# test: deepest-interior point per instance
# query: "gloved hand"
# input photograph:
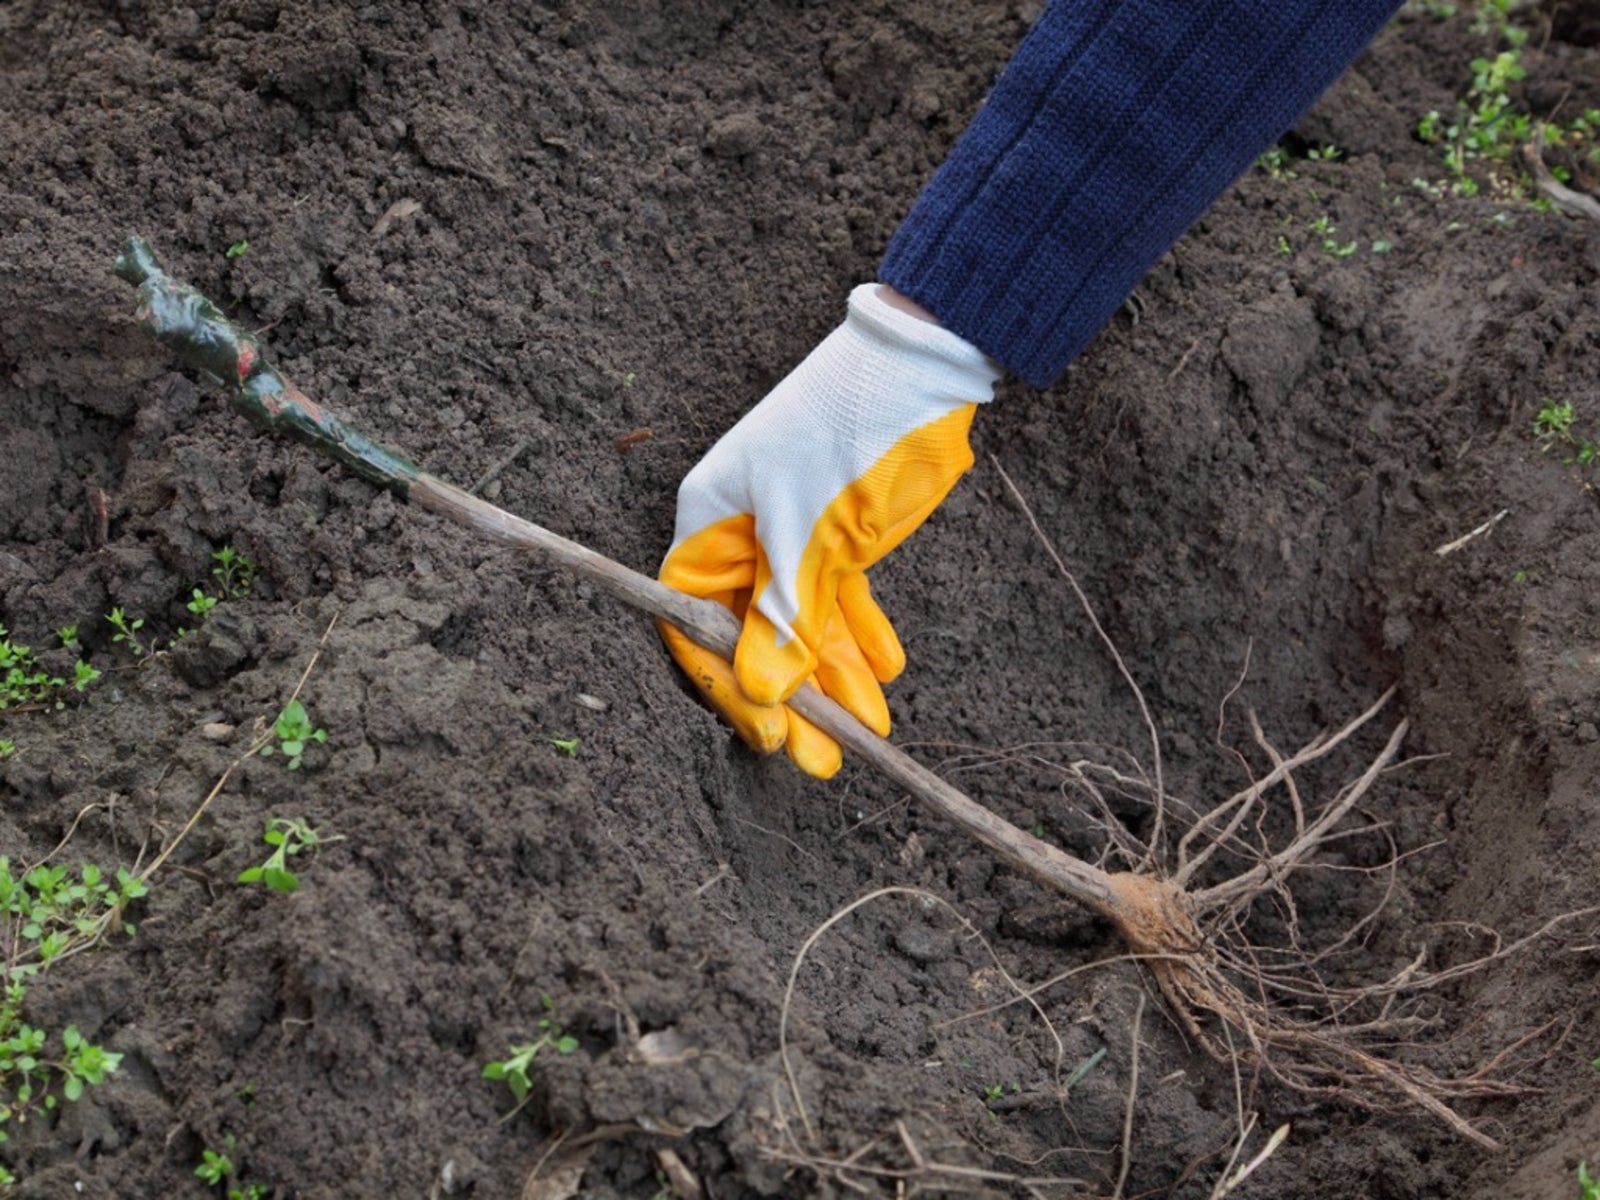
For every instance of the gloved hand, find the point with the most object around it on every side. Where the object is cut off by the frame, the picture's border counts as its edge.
(781, 519)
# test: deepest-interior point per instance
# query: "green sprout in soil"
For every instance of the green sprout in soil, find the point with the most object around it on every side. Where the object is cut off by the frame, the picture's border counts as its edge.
(1494, 16)
(239, 249)
(514, 1068)
(293, 731)
(33, 1081)
(25, 683)
(1579, 137)
(46, 914)
(234, 573)
(1324, 228)
(7, 749)
(1589, 1186)
(1555, 428)
(996, 1091)
(200, 604)
(128, 634)
(287, 837)
(567, 746)
(216, 1169)
(1486, 126)
(1274, 163)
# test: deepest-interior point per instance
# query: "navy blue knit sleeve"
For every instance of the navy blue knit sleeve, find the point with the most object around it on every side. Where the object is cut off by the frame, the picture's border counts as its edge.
(1114, 126)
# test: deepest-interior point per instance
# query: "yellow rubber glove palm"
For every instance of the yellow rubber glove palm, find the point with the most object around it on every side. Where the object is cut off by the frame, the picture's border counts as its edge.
(781, 519)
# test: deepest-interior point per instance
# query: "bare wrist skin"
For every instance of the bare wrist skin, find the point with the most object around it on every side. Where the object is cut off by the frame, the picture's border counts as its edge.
(905, 304)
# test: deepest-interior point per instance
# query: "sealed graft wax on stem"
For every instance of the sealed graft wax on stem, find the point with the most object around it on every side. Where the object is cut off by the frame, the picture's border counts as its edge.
(195, 330)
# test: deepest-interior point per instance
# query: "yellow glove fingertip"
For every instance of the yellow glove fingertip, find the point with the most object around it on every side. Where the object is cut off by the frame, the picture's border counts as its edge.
(764, 728)
(845, 676)
(813, 751)
(870, 627)
(767, 672)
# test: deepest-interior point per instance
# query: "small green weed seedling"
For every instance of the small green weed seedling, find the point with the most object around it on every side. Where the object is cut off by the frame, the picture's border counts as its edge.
(234, 573)
(7, 749)
(31, 1083)
(200, 604)
(24, 683)
(1484, 126)
(1494, 16)
(239, 249)
(567, 746)
(215, 1168)
(46, 914)
(127, 634)
(293, 731)
(1324, 228)
(1589, 1186)
(287, 837)
(1274, 163)
(22, 680)
(1555, 428)
(514, 1068)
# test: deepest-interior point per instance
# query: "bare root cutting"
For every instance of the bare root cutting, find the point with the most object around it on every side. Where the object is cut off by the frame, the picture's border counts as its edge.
(1271, 1008)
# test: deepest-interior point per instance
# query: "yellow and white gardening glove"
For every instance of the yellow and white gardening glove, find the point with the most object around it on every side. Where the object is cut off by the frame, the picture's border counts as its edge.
(782, 518)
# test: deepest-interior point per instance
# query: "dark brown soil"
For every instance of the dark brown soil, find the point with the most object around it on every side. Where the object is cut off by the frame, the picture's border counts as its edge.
(636, 216)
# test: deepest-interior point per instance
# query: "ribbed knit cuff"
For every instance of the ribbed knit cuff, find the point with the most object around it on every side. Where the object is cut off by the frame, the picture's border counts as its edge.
(1116, 124)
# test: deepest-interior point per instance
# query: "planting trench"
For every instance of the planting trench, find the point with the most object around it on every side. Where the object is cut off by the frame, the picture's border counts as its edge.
(477, 228)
